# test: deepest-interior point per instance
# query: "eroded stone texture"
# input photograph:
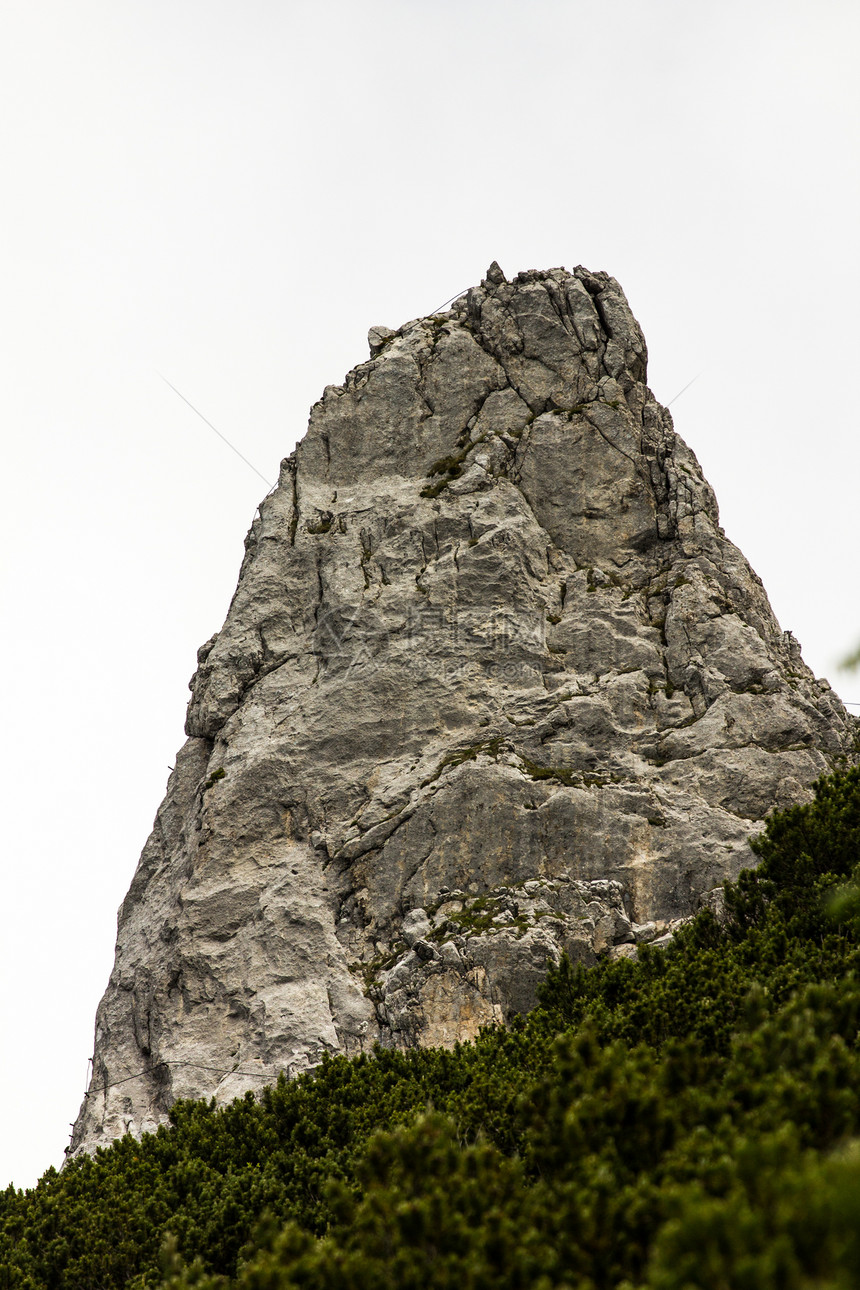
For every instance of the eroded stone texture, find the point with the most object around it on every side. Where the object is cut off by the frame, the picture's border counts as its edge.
(493, 685)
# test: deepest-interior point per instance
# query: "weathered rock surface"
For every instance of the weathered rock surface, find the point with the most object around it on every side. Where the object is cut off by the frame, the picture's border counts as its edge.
(493, 685)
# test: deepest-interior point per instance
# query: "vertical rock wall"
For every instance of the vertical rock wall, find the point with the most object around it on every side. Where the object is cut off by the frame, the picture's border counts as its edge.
(493, 685)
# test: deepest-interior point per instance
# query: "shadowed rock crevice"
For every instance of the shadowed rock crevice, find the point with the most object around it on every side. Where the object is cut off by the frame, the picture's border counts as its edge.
(493, 685)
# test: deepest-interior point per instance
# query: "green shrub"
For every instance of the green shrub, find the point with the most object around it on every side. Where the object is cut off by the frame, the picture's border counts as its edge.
(687, 1121)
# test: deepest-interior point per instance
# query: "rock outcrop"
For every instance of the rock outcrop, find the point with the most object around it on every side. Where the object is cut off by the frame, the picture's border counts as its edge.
(493, 685)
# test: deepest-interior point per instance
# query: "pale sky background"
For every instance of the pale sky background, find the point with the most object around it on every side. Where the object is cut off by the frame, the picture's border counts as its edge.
(231, 194)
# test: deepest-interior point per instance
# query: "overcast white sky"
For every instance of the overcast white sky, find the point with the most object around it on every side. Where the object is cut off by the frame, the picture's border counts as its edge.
(230, 195)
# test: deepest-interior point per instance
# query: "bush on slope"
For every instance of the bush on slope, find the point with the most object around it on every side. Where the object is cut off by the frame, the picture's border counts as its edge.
(667, 1123)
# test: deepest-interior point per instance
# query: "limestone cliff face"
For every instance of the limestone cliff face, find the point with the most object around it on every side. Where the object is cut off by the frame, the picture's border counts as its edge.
(493, 684)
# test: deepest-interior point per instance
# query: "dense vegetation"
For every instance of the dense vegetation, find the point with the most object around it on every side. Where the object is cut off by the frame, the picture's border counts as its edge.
(690, 1120)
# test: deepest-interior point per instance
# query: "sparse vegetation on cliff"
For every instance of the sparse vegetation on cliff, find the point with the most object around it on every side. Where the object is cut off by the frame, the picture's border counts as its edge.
(688, 1121)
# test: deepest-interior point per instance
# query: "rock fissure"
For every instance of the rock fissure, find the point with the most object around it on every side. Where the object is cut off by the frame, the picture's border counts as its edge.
(616, 447)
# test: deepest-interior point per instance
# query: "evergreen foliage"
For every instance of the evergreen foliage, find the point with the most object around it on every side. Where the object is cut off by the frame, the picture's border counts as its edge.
(687, 1121)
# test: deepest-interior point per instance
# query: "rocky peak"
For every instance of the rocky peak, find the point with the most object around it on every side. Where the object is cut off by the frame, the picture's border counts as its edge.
(493, 685)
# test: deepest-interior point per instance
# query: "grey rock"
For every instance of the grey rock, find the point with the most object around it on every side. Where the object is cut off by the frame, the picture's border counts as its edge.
(377, 338)
(415, 926)
(643, 933)
(715, 901)
(622, 952)
(662, 941)
(493, 686)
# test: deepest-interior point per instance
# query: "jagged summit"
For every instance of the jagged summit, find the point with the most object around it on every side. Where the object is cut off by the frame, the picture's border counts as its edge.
(493, 684)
